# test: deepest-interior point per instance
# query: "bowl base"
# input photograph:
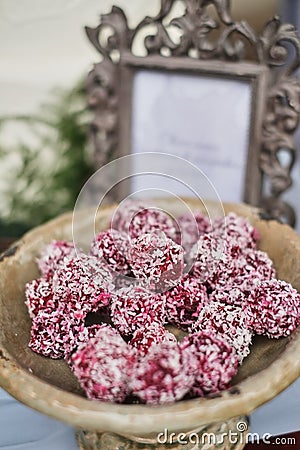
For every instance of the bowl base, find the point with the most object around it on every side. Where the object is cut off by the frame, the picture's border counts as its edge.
(229, 435)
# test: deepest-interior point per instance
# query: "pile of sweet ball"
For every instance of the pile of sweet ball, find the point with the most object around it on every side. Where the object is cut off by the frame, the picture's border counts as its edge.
(129, 354)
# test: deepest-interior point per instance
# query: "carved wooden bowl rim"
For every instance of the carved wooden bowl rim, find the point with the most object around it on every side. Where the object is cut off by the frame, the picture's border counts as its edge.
(141, 419)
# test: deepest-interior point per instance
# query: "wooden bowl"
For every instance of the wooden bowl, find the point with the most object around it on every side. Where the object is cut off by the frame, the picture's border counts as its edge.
(49, 387)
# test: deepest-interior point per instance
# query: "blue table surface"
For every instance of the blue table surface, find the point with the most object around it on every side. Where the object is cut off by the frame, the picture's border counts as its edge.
(21, 428)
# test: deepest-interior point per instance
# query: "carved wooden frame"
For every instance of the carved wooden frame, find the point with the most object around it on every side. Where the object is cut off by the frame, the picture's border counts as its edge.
(209, 44)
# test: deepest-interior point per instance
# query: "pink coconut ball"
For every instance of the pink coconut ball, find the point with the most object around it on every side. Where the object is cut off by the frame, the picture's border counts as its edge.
(185, 301)
(134, 308)
(227, 321)
(58, 317)
(125, 212)
(144, 338)
(236, 229)
(111, 248)
(164, 375)
(156, 259)
(253, 266)
(86, 333)
(150, 220)
(190, 228)
(209, 259)
(217, 362)
(55, 334)
(83, 284)
(273, 308)
(39, 295)
(135, 218)
(230, 295)
(54, 255)
(245, 271)
(220, 268)
(103, 365)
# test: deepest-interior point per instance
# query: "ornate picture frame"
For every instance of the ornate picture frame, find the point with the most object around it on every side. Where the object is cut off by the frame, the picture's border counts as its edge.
(210, 43)
(255, 76)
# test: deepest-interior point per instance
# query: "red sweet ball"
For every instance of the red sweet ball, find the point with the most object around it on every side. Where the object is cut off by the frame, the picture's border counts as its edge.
(230, 295)
(124, 214)
(245, 271)
(255, 266)
(55, 334)
(165, 374)
(273, 308)
(135, 218)
(144, 338)
(54, 256)
(111, 247)
(185, 301)
(209, 258)
(103, 365)
(83, 284)
(237, 230)
(150, 221)
(216, 362)
(39, 296)
(191, 227)
(225, 260)
(86, 333)
(58, 311)
(227, 321)
(133, 308)
(156, 259)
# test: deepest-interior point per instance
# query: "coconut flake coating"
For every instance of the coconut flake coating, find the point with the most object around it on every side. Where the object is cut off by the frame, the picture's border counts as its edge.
(252, 267)
(135, 218)
(245, 271)
(78, 287)
(55, 334)
(151, 220)
(82, 284)
(40, 296)
(237, 230)
(209, 258)
(88, 333)
(57, 323)
(224, 263)
(144, 338)
(165, 374)
(54, 256)
(56, 331)
(216, 360)
(103, 365)
(124, 214)
(185, 301)
(135, 308)
(157, 259)
(191, 227)
(273, 308)
(228, 322)
(230, 295)
(111, 247)
(85, 334)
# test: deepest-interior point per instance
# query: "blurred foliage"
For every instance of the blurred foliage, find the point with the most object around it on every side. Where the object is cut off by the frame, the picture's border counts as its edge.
(44, 177)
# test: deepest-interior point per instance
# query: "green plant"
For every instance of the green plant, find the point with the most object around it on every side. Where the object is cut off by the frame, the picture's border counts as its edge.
(46, 175)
